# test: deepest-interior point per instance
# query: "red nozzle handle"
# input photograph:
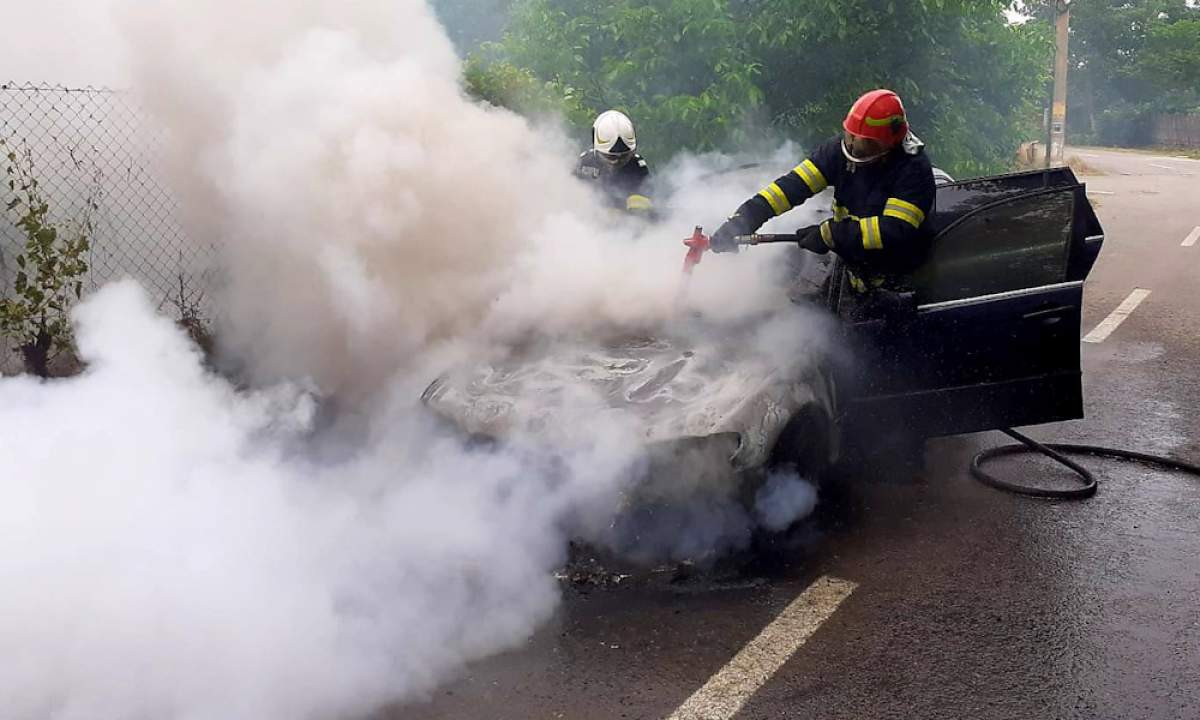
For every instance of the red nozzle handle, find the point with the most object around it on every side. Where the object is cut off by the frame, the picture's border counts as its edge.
(697, 244)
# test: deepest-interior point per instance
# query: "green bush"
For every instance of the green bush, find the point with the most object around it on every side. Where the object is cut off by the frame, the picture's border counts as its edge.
(50, 266)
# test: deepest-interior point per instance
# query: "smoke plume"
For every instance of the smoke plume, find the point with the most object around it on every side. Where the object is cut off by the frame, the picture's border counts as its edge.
(167, 554)
(177, 547)
(367, 209)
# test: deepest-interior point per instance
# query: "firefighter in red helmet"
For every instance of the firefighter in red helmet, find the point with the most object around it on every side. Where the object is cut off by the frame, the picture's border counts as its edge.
(883, 192)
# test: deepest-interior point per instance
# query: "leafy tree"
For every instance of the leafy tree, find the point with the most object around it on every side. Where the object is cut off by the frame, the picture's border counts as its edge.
(1171, 65)
(677, 66)
(503, 84)
(704, 74)
(471, 23)
(1129, 59)
(971, 81)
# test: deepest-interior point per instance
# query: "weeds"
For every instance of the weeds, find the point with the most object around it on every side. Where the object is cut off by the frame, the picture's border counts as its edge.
(50, 265)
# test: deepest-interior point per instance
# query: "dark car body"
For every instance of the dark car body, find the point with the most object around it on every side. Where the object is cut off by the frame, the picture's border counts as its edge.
(988, 338)
(994, 338)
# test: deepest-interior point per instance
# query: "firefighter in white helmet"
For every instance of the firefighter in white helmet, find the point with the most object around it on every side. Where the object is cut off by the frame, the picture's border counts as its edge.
(613, 162)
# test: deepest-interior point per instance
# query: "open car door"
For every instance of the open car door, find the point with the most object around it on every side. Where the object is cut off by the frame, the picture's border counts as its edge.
(995, 339)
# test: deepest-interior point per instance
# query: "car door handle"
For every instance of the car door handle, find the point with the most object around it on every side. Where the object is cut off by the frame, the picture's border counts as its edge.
(1048, 315)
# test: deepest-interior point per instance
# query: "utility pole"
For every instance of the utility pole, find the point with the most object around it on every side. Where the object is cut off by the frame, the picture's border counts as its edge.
(1058, 107)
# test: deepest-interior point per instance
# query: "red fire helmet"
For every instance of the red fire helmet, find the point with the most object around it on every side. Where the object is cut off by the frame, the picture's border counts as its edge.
(878, 115)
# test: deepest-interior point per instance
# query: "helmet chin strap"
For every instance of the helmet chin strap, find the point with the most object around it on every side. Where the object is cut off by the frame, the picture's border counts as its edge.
(858, 160)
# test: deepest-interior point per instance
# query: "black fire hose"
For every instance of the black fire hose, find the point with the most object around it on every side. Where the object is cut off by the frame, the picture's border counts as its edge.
(1055, 451)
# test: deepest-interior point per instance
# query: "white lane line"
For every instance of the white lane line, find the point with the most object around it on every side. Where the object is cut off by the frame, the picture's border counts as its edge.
(1090, 155)
(1163, 167)
(1100, 192)
(724, 695)
(1182, 157)
(1116, 317)
(1192, 237)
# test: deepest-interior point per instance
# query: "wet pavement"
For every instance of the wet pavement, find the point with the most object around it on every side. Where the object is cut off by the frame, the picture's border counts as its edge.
(970, 603)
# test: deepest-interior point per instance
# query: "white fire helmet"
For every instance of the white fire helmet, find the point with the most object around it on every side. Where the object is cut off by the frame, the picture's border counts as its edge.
(613, 138)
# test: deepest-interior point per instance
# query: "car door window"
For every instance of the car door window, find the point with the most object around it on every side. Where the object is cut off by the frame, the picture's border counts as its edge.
(1021, 243)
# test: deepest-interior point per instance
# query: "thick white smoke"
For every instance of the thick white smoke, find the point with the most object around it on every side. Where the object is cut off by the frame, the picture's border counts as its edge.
(73, 43)
(366, 208)
(168, 554)
(785, 497)
(176, 548)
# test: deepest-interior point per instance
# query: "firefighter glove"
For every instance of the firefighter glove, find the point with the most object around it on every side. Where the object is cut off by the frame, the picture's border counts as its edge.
(809, 238)
(725, 238)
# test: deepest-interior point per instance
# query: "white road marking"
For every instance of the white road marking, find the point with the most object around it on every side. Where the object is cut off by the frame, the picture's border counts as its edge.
(724, 695)
(1100, 192)
(1184, 158)
(1116, 317)
(1192, 237)
(1089, 155)
(1163, 167)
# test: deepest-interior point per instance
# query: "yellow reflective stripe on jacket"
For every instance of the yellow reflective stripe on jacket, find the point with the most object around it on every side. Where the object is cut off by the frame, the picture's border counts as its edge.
(903, 210)
(827, 234)
(872, 238)
(811, 175)
(777, 198)
(862, 286)
(638, 202)
(840, 212)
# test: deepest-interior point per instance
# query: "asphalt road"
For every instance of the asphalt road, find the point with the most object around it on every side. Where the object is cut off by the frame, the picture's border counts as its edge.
(940, 598)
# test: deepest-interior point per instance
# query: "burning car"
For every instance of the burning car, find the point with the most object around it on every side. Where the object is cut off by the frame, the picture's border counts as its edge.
(989, 338)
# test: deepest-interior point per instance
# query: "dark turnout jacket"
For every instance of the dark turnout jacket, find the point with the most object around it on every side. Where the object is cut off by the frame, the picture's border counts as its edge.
(881, 223)
(621, 184)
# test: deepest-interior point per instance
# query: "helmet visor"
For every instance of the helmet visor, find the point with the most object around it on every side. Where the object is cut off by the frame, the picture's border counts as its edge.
(616, 160)
(861, 150)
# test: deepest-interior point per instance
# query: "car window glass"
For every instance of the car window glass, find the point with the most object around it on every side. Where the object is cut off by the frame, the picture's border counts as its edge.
(963, 197)
(1019, 244)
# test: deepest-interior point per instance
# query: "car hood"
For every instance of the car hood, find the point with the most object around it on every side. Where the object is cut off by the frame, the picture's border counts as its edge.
(667, 386)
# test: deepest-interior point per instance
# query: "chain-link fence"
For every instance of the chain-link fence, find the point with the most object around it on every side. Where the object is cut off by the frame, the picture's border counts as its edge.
(96, 148)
